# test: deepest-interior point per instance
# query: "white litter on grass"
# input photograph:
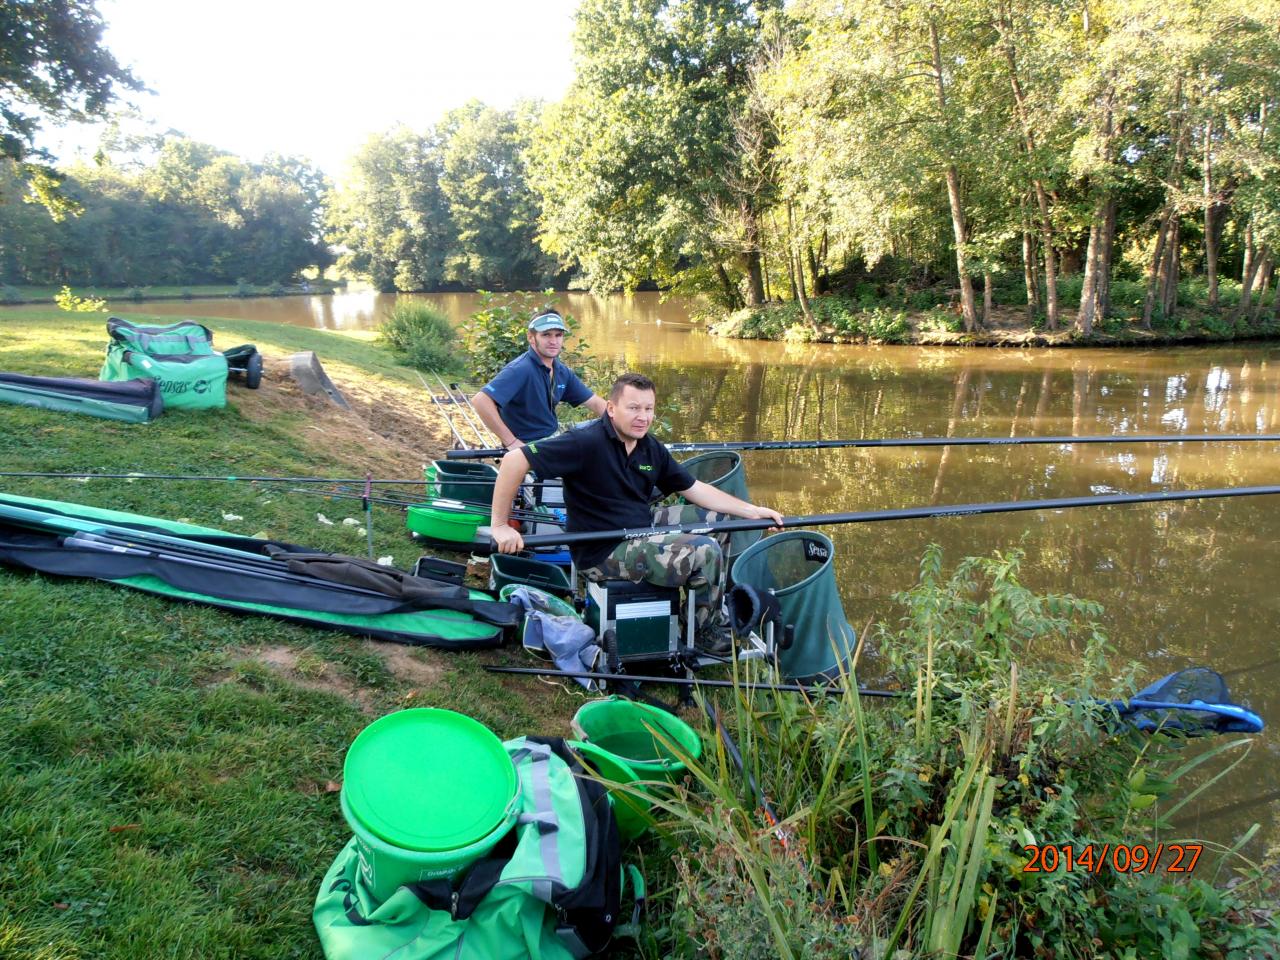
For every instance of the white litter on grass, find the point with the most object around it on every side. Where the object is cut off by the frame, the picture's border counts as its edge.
(350, 522)
(385, 561)
(232, 516)
(321, 518)
(83, 479)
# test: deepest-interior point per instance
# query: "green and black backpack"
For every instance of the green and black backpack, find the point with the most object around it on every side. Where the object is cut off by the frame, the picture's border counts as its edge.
(550, 890)
(178, 356)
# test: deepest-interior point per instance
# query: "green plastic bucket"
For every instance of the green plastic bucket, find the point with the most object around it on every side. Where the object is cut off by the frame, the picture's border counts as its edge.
(506, 569)
(445, 520)
(625, 730)
(427, 792)
(631, 813)
(464, 480)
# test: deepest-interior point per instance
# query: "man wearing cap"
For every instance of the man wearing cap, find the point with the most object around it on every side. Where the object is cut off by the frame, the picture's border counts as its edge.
(519, 404)
(609, 469)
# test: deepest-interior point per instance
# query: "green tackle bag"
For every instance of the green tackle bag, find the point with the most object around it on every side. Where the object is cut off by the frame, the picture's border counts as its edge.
(550, 890)
(179, 356)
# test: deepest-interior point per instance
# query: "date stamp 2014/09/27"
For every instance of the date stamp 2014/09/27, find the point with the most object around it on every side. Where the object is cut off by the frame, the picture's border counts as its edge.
(1117, 857)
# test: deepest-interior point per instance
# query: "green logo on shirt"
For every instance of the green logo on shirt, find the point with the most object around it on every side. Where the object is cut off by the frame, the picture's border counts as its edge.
(533, 448)
(646, 467)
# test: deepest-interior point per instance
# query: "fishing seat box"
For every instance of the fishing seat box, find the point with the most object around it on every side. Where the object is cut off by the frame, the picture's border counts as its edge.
(645, 619)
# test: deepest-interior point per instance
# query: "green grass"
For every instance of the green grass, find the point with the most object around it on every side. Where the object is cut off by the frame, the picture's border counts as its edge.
(162, 786)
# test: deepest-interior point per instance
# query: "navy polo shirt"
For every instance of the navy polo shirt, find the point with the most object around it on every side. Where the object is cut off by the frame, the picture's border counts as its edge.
(604, 487)
(526, 393)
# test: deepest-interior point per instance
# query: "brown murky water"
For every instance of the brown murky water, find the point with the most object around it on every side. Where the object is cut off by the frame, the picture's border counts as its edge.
(1183, 583)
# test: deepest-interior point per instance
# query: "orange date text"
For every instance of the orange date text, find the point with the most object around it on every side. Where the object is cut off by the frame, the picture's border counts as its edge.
(1116, 857)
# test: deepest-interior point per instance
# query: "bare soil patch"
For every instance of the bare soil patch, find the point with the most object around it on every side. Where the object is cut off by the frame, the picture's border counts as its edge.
(391, 429)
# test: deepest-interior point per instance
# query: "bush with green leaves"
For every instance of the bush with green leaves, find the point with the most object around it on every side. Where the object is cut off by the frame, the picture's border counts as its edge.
(422, 337)
(66, 300)
(905, 820)
(496, 334)
(10, 295)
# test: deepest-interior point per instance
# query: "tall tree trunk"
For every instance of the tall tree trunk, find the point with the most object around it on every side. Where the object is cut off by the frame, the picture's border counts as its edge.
(1088, 291)
(1264, 282)
(1172, 268)
(751, 254)
(958, 225)
(987, 283)
(1157, 258)
(1030, 275)
(727, 285)
(1256, 262)
(1210, 216)
(1038, 187)
(798, 272)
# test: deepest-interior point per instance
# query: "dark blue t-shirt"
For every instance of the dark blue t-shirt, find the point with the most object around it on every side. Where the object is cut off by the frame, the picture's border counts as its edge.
(604, 487)
(527, 394)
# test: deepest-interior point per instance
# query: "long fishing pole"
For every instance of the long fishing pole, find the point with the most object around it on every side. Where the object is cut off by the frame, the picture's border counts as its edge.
(923, 442)
(472, 407)
(87, 475)
(903, 513)
(1251, 721)
(453, 400)
(457, 437)
(445, 505)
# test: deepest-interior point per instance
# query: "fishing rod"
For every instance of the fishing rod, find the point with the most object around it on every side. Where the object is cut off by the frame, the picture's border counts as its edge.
(445, 505)
(470, 406)
(83, 475)
(1245, 720)
(922, 442)
(903, 513)
(448, 419)
(453, 400)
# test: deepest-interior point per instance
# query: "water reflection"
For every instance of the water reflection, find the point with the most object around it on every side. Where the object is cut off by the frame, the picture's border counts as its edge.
(1187, 582)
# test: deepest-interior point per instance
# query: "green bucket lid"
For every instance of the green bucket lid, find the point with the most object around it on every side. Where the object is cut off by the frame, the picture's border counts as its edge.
(427, 779)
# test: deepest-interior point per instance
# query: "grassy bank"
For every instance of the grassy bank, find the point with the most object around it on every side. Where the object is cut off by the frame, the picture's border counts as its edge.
(885, 313)
(120, 297)
(167, 769)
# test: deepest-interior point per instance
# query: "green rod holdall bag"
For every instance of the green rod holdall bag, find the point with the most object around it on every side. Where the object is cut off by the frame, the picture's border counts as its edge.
(550, 890)
(179, 356)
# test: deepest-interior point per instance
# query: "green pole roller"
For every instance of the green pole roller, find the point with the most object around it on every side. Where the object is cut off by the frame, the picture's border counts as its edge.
(796, 566)
(626, 730)
(426, 792)
(723, 470)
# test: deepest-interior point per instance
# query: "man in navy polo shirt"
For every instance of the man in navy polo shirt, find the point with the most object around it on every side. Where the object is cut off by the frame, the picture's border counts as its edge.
(609, 468)
(519, 404)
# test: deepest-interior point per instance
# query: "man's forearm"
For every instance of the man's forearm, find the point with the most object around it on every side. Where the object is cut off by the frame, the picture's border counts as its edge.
(713, 498)
(489, 415)
(510, 475)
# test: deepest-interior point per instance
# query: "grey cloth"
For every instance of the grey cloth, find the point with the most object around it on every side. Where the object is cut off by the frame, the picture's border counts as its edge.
(569, 642)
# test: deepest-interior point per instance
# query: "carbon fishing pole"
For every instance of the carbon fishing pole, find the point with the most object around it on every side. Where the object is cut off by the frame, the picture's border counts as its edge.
(1230, 711)
(445, 505)
(903, 513)
(473, 454)
(84, 475)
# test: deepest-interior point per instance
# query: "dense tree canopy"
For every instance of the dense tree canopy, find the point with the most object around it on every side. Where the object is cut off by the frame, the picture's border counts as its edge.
(52, 65)
(1080, 160)
(196, 215)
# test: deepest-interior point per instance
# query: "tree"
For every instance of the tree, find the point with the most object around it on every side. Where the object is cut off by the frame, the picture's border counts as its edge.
(638, 167)
(52, 65)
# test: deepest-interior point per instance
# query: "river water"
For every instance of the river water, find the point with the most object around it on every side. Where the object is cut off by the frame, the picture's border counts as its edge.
(1183, 583)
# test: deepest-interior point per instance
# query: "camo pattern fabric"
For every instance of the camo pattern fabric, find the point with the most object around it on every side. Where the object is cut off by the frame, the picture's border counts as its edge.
(673, 559)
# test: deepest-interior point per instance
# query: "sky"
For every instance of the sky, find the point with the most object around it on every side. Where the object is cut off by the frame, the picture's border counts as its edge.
(316, 78)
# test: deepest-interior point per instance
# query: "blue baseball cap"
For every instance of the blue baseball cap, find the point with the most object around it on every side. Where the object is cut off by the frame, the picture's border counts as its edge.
(547, 320)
